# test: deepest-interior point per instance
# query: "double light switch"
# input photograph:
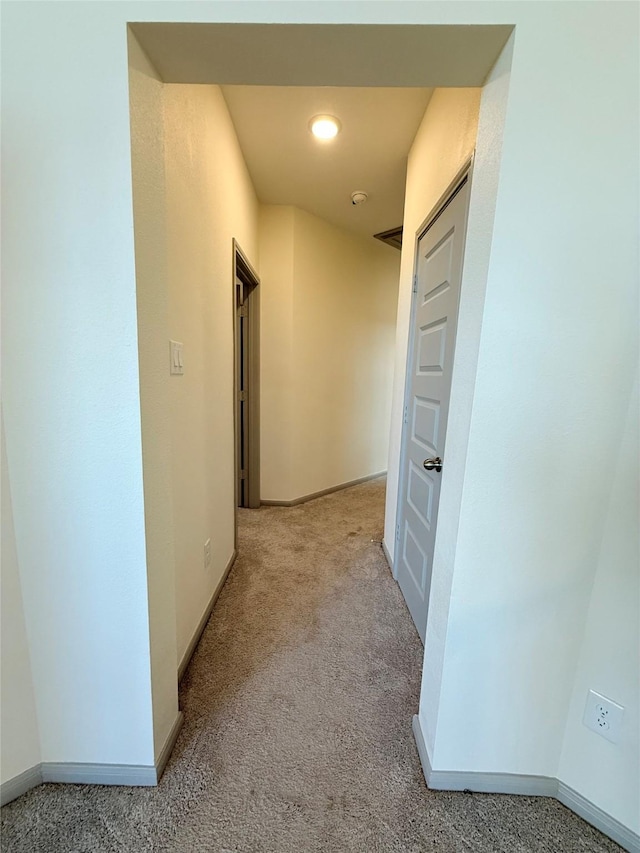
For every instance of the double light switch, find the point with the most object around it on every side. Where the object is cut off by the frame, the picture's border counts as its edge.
(176, 366)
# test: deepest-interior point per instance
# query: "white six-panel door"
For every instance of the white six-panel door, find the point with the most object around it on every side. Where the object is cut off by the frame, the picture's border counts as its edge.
(432, 344)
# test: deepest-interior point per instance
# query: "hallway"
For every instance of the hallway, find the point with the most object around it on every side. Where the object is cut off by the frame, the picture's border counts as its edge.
(297, 734)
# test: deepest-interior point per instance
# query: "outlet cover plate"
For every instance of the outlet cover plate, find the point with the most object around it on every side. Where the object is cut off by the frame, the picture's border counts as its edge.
(603, 716)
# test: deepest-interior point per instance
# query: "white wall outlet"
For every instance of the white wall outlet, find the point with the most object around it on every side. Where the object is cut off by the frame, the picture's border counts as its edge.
(603, 716)
(207, 553)
(176, 365)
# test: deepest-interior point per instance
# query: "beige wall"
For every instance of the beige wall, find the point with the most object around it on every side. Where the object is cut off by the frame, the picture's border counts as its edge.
(328, 306)
(192, 196)
(210, 200)
(276, 350)
(149, 202)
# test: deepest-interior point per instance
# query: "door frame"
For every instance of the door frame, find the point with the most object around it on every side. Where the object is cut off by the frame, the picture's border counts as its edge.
(463, 175)
(243, 270)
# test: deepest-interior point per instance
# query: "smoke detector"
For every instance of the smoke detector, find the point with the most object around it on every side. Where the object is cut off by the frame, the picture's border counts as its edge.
(359, 197)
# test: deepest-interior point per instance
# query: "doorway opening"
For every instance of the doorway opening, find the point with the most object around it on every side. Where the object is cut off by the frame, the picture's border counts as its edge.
(246, 319)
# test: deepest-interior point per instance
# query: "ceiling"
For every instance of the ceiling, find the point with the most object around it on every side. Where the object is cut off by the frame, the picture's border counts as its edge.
(322, 54)
(288, 165)
(275, 77)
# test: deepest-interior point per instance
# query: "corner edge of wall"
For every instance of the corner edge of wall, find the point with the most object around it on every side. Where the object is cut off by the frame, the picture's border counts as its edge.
(527, 785)
(20, 784)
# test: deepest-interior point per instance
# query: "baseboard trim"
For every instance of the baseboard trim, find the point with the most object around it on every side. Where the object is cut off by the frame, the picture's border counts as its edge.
(387, 555)
(594, 815)
(170, 742)
(99, 774)
(527, 785)
(202, 624)
(322, 492)
(20, 784)
(75, 773)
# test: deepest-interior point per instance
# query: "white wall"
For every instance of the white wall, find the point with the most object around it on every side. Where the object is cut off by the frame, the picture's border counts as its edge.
(20, 741)
(70, 383)
(610, 654)
(210, 200)
(551, 392)
(328, 306)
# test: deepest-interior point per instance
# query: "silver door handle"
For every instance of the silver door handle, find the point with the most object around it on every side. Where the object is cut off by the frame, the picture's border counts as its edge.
(434, 462)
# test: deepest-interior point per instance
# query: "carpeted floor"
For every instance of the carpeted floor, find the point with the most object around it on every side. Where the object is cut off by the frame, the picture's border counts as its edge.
(297, 735)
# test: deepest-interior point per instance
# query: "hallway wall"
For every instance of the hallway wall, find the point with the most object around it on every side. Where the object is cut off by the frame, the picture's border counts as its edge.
(276, 235)
(152, 296)
(192, 196)
(551, 385)
(210, 200)
(328, 309)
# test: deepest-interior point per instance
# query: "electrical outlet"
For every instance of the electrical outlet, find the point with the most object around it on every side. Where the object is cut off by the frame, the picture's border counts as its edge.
(603, 716)
(207, 553)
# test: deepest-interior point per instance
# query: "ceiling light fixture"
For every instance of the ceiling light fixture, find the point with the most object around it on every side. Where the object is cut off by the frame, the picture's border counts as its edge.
(324, 127)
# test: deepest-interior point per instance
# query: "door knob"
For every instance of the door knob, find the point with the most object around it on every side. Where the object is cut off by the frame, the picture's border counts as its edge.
(434, 463)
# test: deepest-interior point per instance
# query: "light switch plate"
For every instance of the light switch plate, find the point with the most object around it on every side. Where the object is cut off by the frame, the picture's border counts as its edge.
(176, 364)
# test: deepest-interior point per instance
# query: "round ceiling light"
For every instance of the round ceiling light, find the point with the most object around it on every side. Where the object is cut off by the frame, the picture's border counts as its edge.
(324, 127)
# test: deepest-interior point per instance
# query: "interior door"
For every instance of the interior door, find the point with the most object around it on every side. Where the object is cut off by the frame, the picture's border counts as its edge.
(242, 389)
(432, 344)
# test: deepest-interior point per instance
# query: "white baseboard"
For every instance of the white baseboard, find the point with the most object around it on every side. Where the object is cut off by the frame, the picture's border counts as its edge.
(74, 773)
(167, 749)
(387, 555)
(20, 784)
(527, 785)
(202, 624)
(312, 495)
(99, 774)
(594, 815)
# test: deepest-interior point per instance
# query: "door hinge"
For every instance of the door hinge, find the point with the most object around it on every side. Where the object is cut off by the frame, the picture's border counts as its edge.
(406, 412)
(242, 396)
(398, 532)
(243, 474)
(415, 283)
(242, 311)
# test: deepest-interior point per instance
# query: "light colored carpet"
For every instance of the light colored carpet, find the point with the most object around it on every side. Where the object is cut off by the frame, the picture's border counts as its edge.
(298, 706)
